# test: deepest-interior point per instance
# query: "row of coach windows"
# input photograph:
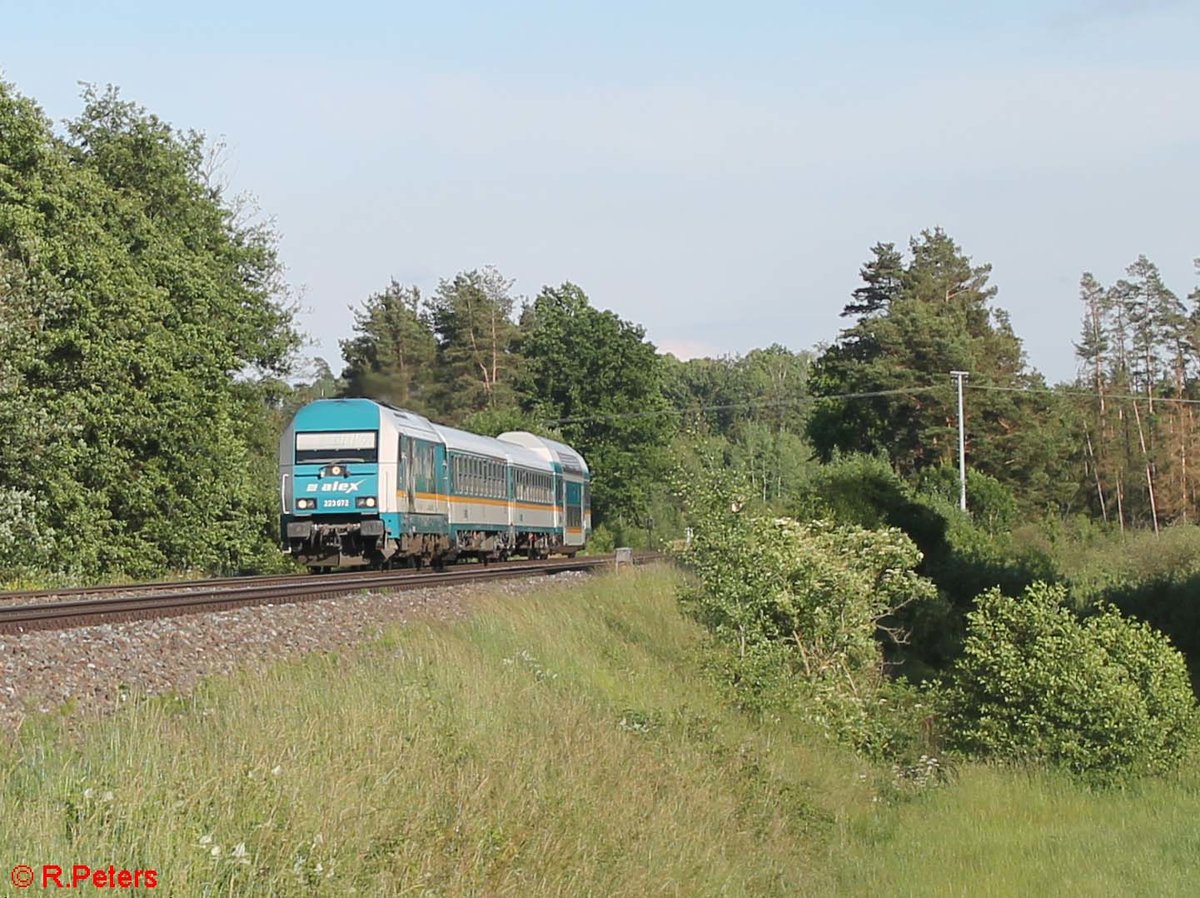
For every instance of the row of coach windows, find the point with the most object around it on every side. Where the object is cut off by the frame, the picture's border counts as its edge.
(479, 477)
(534, 487)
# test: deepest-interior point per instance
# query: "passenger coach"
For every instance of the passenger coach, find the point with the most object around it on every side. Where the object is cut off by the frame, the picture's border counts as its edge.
(363, 483)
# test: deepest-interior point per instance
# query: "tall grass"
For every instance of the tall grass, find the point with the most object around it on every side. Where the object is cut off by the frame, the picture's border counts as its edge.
(563, 743)
(1099, 563)
(999, 832)
(560, 744)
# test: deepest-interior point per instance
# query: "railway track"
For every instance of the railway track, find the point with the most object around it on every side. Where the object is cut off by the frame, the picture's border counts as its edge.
(197, 596)
(28, 596)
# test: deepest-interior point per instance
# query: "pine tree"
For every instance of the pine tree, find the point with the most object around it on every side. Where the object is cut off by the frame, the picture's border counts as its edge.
(1092, 351)
(392, 357)
(477, 357)
(940, 320)
(883, 282)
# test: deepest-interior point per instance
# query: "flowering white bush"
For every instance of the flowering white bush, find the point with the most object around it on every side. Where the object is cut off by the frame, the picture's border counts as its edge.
(25, 544)
(801, 606)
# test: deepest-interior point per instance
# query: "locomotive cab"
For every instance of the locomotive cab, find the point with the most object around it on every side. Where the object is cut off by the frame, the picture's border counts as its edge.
(330, 487)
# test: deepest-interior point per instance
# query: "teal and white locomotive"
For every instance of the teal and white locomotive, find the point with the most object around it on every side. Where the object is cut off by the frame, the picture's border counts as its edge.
(366, 484)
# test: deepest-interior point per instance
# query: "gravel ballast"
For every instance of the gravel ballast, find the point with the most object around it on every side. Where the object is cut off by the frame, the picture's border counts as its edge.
(95, 668)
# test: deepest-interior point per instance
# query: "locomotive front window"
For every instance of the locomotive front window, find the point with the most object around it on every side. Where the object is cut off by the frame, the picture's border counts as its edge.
(347, 446)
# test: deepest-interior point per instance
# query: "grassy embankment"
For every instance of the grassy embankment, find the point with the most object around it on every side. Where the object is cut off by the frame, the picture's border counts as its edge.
(564, 743)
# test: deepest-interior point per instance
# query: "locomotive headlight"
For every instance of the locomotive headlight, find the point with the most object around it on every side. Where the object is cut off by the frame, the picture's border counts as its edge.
(364, 502)
(306, 503)
(335, 471)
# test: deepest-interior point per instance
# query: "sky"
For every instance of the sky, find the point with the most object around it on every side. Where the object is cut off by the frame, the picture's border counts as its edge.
(714, 172)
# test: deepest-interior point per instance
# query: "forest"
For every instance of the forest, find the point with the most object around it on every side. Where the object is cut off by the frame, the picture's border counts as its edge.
(150, 356)
(150, 353)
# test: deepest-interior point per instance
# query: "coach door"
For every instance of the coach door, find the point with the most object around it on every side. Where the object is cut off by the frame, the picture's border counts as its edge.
(574, 514)
(404, 476)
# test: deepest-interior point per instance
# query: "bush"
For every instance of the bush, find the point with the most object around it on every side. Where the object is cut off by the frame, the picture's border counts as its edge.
(1107, 697)
(991, 503)
(797, 610)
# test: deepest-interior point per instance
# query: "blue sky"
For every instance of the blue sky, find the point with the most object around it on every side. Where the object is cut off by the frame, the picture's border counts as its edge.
(716, 172)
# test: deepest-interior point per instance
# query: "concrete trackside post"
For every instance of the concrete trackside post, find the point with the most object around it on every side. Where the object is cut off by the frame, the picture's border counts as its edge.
(624, 556)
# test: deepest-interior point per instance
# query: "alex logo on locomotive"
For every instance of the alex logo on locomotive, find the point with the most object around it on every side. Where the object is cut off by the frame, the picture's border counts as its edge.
(344, 486)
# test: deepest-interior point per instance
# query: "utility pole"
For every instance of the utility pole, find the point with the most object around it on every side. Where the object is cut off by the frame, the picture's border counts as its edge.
(962, 443)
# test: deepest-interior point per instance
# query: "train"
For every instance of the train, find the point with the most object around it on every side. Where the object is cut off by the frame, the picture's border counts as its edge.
(366, 484)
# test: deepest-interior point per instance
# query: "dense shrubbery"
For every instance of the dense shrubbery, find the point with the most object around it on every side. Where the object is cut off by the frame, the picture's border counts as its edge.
(801, 613)
(1106, 697)
(796, 609)
(964, 554)
(1152, 577)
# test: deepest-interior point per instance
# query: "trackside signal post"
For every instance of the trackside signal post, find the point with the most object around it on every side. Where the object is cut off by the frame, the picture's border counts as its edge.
(962, 443)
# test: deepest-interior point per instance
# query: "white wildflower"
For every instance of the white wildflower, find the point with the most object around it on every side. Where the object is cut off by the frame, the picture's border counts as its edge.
(88, 793)
(276, 770)
(216, 851)
(206, 839)
(107, 796)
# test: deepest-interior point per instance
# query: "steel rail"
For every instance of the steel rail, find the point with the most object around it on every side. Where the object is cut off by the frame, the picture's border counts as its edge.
(88, 612)
(168, 585)
(28, 595)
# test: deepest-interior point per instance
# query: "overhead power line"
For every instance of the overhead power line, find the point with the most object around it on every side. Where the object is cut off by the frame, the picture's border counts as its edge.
(864, 394)
(762, 403)
(1089, 394)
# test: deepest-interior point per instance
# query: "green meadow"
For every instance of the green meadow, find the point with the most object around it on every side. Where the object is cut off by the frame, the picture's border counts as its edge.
(567, 742)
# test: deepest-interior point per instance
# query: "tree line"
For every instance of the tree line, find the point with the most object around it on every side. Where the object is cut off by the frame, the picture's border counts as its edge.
(1139, 354)
(148, 350)
(141, 312)
(472, 355)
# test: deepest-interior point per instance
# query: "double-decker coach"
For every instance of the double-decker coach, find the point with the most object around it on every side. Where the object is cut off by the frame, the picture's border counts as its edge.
(363, 483)
(571, 484)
